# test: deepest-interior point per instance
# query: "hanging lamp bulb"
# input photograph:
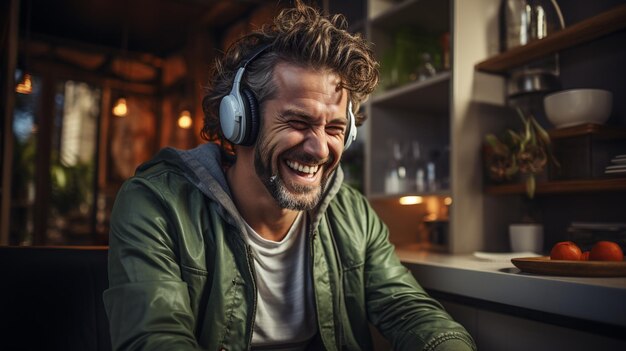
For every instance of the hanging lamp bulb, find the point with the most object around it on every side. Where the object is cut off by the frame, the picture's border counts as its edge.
(25, 85)
(184, 119)
(120, 109)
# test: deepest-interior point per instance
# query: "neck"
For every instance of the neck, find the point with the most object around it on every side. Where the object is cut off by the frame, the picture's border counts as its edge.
(257, 206)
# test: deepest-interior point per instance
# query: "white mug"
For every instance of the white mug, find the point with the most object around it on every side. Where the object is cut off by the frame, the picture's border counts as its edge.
(526, 237)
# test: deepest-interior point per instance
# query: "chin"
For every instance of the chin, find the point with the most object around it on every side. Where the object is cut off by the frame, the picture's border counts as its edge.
(301, 198)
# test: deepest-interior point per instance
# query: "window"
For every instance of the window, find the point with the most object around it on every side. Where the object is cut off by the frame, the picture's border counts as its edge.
(54, 193)
(73, 161)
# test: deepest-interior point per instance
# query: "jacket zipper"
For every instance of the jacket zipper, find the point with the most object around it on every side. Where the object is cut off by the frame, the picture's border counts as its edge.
(254, 298)
(339, 336)
(312, 269)
(340, 304)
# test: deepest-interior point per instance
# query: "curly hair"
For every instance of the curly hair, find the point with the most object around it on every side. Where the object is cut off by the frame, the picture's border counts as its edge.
(301, 36)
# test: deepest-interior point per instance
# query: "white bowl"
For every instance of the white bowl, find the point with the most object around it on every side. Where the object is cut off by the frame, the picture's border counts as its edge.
(578, 106)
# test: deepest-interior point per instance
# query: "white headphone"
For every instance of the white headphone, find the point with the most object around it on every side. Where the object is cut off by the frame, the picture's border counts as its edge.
(240, 115)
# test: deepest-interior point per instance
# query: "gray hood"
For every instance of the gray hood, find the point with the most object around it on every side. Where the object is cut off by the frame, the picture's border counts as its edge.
(202, 167)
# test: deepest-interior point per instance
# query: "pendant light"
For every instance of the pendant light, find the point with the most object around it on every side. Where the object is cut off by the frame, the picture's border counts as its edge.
(120, 109)
(25, 84)
(184, 119)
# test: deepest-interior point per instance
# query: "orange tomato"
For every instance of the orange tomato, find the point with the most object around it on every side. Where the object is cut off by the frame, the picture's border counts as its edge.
(606, 251)
(565, 250)
(585, 256)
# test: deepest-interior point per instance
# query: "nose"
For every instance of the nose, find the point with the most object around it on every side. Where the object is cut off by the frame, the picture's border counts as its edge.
(316, 144)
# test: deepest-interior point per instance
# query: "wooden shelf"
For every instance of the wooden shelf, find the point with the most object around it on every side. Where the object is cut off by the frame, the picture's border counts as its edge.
(565, 186)
(427, 96)
(581, 32)
(599, 131)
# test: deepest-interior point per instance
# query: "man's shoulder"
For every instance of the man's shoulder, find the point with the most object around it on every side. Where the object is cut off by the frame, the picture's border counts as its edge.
(158, 174)
(167, 160)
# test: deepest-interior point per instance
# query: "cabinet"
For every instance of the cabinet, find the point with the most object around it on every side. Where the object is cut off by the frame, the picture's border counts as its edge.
(493, 330)
(592, 55)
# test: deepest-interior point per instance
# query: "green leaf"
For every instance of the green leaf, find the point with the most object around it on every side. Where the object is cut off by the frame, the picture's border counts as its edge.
(541, 133)
(492, 140)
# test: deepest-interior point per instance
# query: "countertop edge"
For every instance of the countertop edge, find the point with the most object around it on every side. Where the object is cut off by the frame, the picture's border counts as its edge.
(578, 298)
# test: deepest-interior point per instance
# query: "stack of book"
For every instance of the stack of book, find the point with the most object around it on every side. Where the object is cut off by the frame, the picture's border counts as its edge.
(617, 166)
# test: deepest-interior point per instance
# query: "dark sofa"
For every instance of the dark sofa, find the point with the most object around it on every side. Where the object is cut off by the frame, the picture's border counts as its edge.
(51, 298)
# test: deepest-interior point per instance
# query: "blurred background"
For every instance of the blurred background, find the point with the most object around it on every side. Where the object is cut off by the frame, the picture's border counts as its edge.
(93, 88)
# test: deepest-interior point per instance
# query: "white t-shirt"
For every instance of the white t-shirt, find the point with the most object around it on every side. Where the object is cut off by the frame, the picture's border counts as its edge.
(285, 315)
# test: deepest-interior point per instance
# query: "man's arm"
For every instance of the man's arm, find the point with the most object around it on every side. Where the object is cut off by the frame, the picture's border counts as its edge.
(147, 302)
(397, 304)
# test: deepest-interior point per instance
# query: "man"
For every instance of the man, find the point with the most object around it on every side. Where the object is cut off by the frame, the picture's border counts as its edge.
(267, 249)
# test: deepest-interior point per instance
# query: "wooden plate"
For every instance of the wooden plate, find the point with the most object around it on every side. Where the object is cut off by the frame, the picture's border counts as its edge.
(544, 265)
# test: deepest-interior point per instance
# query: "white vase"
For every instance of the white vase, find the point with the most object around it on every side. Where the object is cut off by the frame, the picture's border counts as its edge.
(526, 237)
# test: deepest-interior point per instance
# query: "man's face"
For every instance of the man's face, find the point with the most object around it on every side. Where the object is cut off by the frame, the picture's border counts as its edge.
(302, 135)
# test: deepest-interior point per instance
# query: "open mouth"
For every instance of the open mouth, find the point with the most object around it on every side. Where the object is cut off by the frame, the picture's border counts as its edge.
(303, 170)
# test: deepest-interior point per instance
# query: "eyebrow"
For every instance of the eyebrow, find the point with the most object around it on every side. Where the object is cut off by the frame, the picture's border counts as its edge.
(307, 116)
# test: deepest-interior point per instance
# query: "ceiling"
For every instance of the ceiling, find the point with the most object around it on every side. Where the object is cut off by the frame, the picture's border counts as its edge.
(159, 27)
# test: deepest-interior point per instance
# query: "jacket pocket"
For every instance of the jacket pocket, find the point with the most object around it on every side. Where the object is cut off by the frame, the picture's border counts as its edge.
(193, 270)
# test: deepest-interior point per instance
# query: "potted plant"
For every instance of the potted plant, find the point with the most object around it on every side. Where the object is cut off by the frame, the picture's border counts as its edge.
(525, 153)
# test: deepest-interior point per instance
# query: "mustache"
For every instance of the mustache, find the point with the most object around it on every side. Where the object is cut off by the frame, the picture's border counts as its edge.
(308, 159)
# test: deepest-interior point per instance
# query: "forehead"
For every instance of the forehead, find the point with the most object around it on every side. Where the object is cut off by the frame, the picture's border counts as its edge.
(305, 84)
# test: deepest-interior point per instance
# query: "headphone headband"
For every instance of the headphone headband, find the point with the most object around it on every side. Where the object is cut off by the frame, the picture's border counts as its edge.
(254, 55)
(242, 68)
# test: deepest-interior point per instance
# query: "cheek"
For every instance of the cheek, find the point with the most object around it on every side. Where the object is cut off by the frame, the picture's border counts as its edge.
(336, 145)
(282, 140)
(335, 148)
(271, 144)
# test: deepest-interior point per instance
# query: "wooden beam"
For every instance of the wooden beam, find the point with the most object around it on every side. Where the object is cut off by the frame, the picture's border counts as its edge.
(44, 115)
(55, 42)
(9, 98)
(224, 13)
(64, 71)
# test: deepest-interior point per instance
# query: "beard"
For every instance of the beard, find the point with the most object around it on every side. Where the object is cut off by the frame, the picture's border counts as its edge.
(290, 196)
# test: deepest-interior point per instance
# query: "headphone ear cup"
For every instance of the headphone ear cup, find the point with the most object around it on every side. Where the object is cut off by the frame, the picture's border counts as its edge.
(228, 118)
(351, 132)
(251, 117)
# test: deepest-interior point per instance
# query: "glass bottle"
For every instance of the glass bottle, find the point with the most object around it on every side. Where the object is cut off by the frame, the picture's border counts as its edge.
(426, 68)
(417, 170)
(396, 174)
(431, 171)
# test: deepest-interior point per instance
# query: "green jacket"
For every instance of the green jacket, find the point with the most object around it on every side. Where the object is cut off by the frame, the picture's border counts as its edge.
(181, 275)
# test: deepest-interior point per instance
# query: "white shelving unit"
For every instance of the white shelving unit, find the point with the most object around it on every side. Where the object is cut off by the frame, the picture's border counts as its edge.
(415, 111)
(438, 112)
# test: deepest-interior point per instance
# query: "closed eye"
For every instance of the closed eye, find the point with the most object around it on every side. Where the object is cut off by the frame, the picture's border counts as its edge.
(298, 125)
(335, 130)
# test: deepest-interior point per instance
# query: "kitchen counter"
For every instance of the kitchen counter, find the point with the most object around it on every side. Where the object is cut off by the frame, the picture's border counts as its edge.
(594, 299)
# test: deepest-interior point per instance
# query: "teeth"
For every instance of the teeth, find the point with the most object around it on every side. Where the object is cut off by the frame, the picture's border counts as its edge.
(302, 168)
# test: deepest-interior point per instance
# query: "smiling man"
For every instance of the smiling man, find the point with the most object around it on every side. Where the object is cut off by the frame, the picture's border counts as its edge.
(254, 242)
(298, 148)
